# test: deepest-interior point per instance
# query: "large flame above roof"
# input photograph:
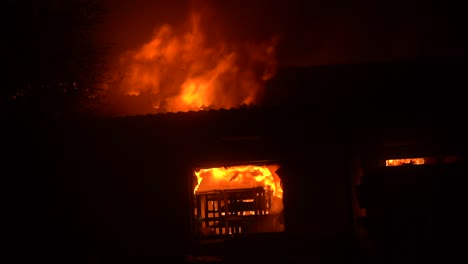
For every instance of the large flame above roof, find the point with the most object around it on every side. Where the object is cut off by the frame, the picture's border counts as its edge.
(179, 69)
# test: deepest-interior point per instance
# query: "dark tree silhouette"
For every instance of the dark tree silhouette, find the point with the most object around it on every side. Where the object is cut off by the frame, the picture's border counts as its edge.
(54, 64)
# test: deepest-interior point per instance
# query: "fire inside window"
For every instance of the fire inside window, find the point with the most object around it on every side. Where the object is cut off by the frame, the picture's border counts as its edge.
(237, 200)
(401, 162)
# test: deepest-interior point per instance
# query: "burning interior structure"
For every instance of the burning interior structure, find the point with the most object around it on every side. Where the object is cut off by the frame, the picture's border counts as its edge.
(301, 176)
(237, 200)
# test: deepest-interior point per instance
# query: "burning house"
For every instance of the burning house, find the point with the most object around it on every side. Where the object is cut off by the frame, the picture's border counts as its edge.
(306, 174)
(208, 152)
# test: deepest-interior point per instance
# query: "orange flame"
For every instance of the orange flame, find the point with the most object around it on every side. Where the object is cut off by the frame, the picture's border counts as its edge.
(400, 162)
(238, 177)
(181, 71)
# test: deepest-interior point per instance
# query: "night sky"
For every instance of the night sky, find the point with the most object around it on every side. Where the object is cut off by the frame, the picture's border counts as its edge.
(311, 32)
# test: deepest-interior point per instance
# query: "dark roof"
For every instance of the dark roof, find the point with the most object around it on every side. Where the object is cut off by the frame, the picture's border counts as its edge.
(395, 86)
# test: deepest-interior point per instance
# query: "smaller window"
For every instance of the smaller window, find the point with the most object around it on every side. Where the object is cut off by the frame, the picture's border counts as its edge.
(401, 162)
(421, 161)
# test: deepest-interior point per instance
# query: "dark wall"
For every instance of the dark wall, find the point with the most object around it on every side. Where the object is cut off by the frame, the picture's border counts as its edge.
(121, 187)
(413, 209)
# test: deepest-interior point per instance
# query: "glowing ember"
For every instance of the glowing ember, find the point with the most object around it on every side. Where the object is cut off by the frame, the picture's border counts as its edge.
(180, 70)
(400, 162)
(239, 177)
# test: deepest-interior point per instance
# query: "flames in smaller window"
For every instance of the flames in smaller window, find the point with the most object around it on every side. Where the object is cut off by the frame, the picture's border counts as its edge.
(401, 162)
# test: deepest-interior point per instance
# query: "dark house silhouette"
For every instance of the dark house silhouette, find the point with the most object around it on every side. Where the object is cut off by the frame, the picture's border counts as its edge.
(118, 190)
